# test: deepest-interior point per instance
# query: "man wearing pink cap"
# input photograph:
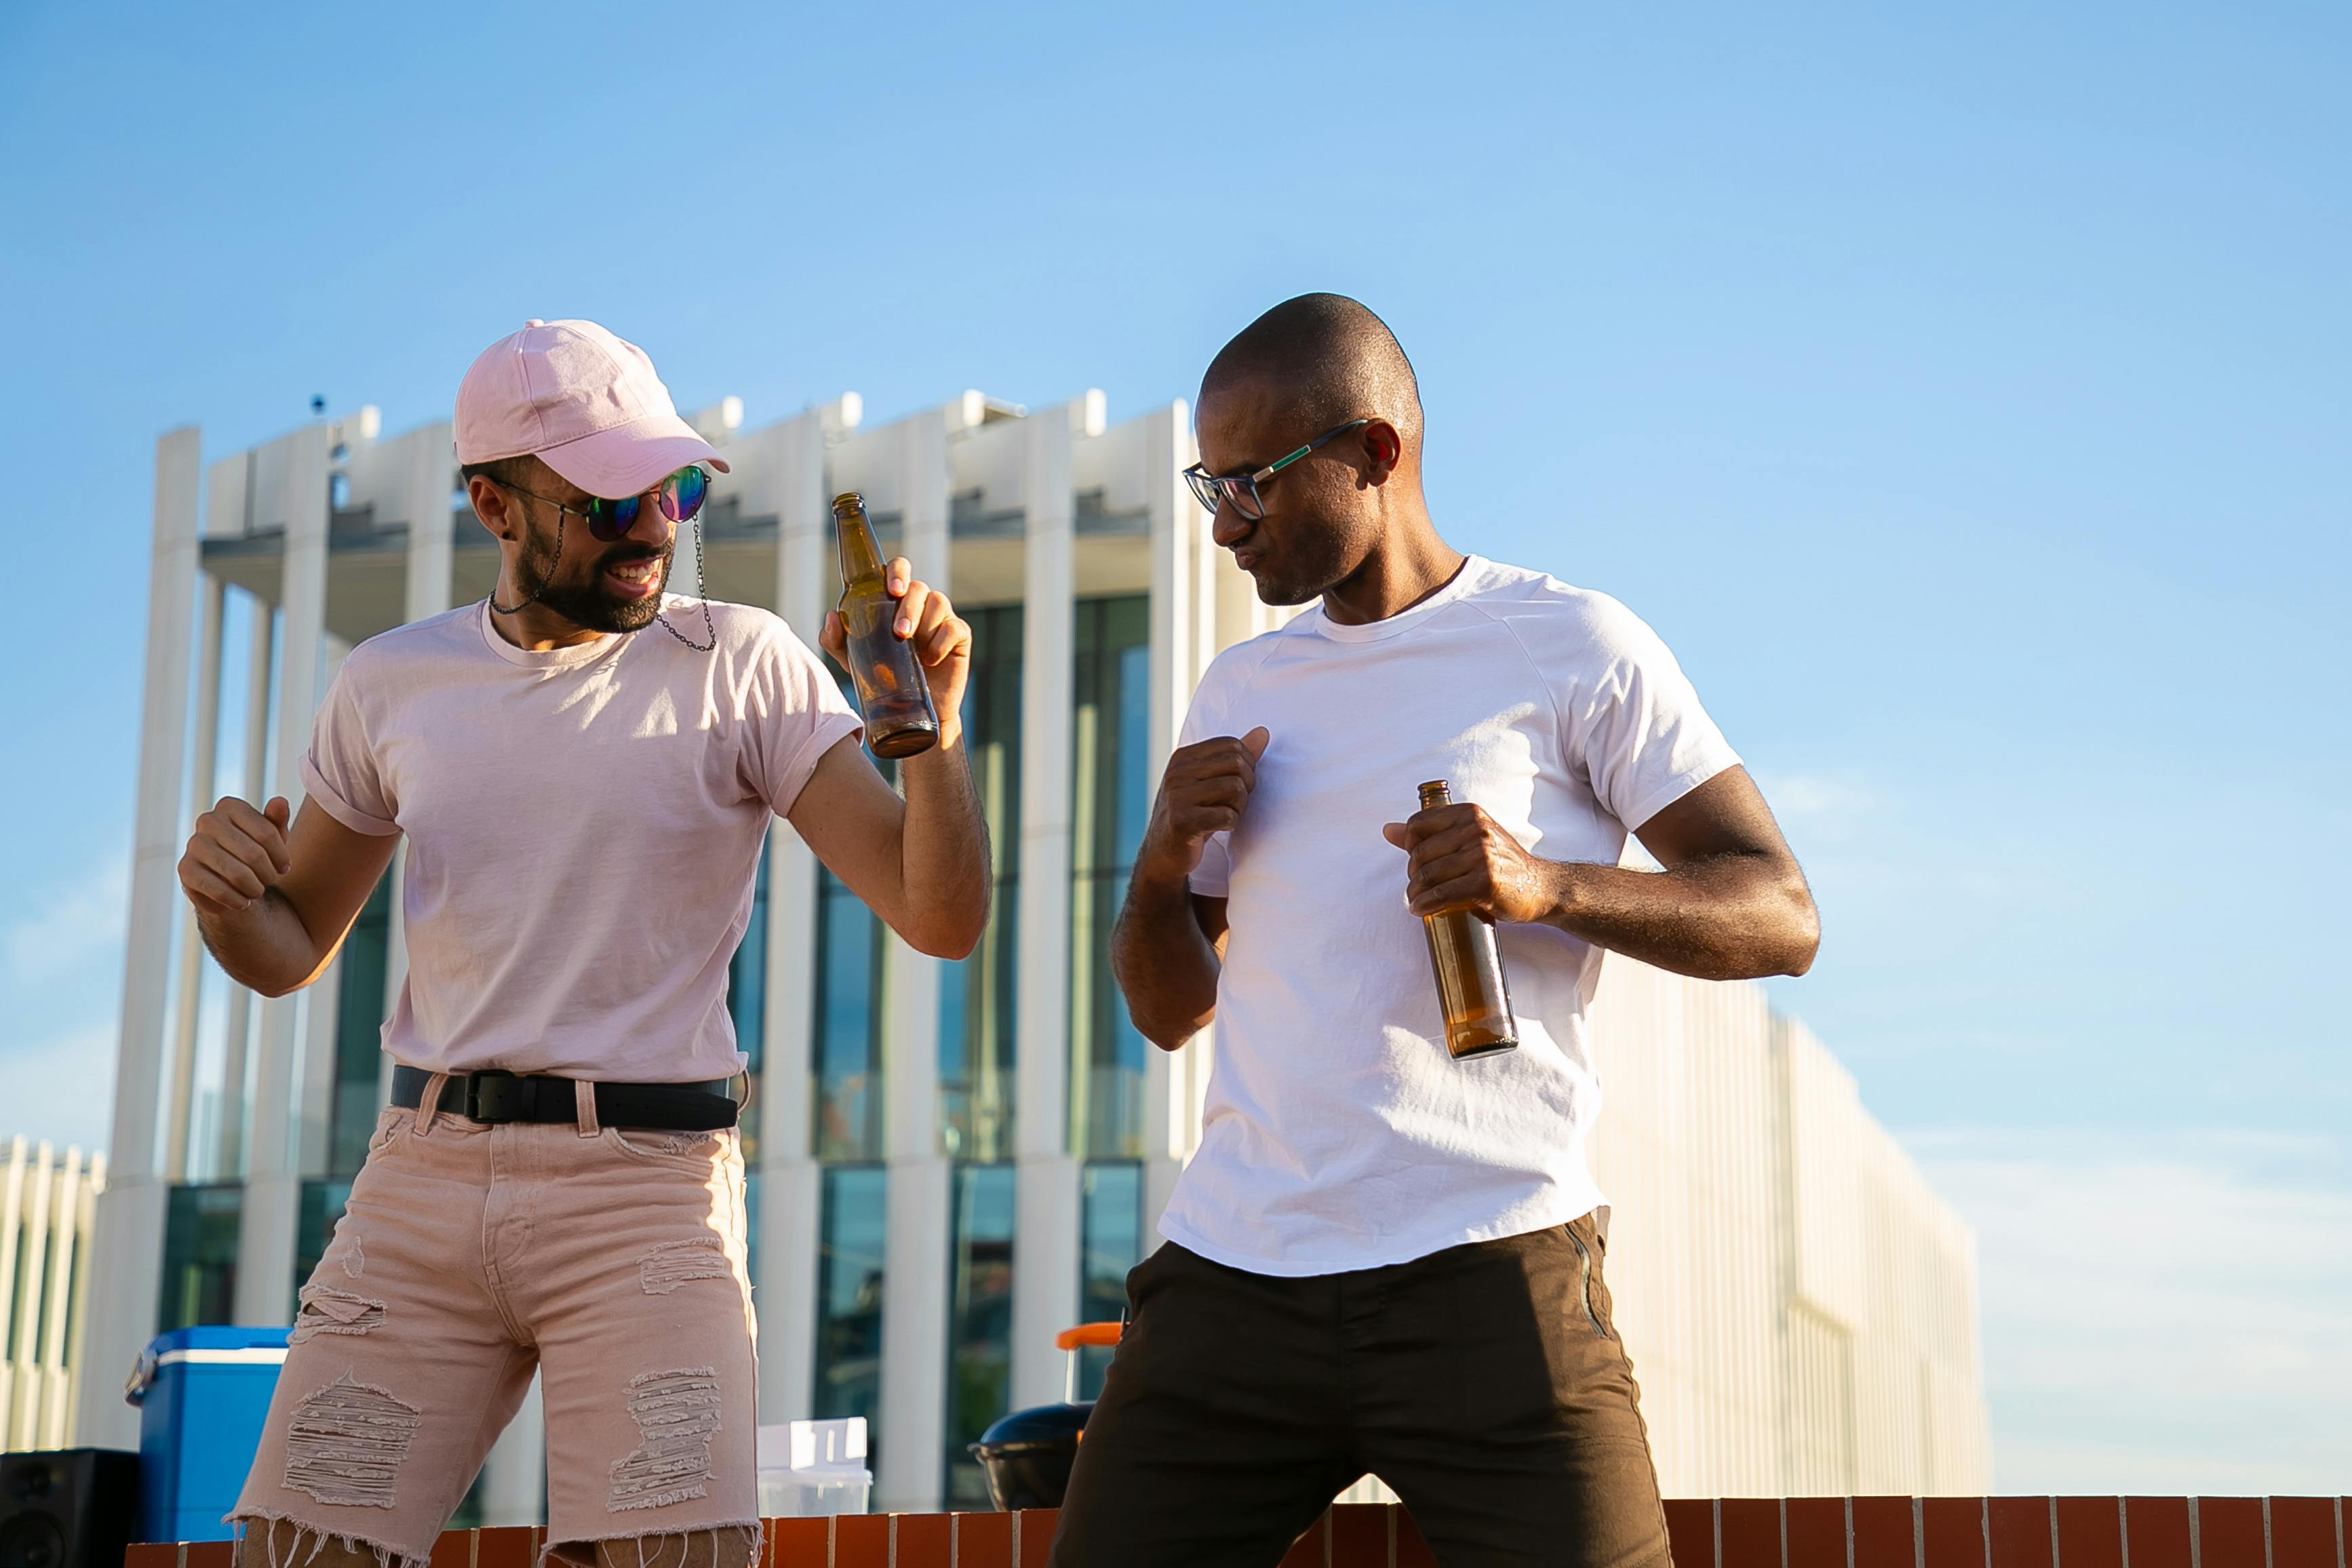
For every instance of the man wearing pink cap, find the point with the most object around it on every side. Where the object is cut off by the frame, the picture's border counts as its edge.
(558, 1184)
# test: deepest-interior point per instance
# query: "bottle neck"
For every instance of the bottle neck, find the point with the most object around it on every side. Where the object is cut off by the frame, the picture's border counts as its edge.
(861, 553)
(1434, 796)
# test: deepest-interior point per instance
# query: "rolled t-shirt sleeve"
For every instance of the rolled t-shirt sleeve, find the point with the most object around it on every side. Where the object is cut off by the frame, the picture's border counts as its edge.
(797, 714)
(1634, 721)
(340, 771)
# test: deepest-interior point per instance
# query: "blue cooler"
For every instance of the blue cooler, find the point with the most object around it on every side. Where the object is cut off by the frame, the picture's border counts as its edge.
(203, 1396)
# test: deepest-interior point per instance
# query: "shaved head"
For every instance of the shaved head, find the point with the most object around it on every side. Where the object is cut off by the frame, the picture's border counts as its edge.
(1323, 359)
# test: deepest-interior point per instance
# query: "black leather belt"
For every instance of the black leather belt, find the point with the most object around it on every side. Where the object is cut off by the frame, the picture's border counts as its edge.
(493, 1096)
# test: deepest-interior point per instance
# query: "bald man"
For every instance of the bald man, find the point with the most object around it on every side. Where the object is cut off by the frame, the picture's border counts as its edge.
(1383, 1259)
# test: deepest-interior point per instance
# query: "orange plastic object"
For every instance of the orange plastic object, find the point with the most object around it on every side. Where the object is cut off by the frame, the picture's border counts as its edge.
(1086, 1334)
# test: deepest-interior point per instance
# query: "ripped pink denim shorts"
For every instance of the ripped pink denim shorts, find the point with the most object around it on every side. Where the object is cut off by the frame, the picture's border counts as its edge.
(468, 1255)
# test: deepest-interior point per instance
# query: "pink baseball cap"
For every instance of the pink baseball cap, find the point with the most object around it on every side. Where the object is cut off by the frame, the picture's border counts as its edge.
(584, 402)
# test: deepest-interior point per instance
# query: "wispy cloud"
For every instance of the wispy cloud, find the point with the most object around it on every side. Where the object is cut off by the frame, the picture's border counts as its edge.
(2163, 1310)
(60, 1088)
(67, 923)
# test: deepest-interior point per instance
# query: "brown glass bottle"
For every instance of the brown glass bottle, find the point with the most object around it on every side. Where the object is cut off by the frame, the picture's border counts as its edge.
(891, 692)
(1471, 990)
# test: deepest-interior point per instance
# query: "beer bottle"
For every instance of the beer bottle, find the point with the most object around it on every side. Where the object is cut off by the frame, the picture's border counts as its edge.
(1470, 988)
(891, 692)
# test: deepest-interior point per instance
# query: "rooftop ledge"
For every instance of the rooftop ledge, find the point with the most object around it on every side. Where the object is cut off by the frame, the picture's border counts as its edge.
(1730, 1532)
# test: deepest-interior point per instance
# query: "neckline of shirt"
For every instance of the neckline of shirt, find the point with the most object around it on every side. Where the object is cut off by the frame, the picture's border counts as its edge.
(1465, 580)
(568, 657)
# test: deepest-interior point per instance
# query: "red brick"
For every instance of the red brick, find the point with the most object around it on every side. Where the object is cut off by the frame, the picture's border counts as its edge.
(1749, 1528)
(1690, 1532)
(2021, 1532)
(861, 1541)
(1308, 1550)
(152, 1554)
(1412, 1548)
(2156, 1533)
(983, 1541)
(1952, 1531)
(2302, 1533)
(455, 1549)
(211, 1554)
(1359, 1535)
(1882, 1532)
(803, 1543)
(2090, 1532)
(2229, 1532)
(1035, 1536)
(1816, 1531)
(923, 1541)
(503, 1546)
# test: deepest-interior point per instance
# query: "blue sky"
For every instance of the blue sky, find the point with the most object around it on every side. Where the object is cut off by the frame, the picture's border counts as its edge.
(1966, 395)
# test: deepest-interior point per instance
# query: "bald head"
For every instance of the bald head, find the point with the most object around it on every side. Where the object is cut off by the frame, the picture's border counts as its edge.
(1322, 359)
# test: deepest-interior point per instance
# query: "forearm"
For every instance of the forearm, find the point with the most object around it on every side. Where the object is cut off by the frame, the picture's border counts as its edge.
(944, 871)
(265, 946)
(1723, 917)
(1164, 964)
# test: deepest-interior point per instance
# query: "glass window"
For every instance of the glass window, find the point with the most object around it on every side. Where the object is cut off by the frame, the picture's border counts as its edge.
(200, 1229)
(1111, 785)
(746, 1004)
(364, 965)
(847, 1047)
(850, 1282)
(1110, 1242)
(977, 992)
(314, 1223)
(980, 1321)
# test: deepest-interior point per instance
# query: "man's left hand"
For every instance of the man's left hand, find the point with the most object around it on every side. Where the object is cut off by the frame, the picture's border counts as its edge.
(1461, 859)
(941, 638)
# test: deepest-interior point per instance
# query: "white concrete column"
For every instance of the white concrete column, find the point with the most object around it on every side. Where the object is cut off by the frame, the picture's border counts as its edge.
(189, 989)
(1045, 1220)
(265, 1253)
(229, 1163)
(791, 1183)
(321, 1012)
(915, 1262)
(1183, 626)
(428, 478)
(129, 1257)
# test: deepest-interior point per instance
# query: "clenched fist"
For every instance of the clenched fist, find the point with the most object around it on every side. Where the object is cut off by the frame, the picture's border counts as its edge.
(236, 855)
(1205, 791)
(1461, 859)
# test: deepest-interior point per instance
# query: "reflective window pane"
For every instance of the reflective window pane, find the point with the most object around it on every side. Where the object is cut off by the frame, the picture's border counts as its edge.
(1110, 1242)
(977, 992)
(1111, 786)
(849, 1283)
(980, 1321)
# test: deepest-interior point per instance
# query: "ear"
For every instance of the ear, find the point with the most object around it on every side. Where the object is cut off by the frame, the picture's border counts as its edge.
(492, 505)
(1384, 446)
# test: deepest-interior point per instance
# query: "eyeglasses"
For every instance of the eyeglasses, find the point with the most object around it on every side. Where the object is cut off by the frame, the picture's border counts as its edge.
(1240, 491)
(679, 497)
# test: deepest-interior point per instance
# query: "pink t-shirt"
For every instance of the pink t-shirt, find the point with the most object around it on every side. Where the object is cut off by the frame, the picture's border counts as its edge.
(583, 827)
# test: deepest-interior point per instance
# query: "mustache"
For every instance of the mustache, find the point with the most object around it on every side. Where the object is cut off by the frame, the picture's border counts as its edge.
(619, 557)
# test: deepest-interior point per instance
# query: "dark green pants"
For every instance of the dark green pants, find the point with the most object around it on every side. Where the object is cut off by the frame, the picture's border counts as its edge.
(1483, 1384)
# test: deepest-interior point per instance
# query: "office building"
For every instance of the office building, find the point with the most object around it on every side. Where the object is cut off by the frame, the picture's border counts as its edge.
(948, 1161)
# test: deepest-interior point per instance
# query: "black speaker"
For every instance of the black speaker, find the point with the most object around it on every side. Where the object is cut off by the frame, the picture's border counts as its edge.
(73, 1507)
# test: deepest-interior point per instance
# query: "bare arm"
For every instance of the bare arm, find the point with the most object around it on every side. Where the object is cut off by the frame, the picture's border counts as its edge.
(275, 904)
(920, 862)
(1169, 945)
(1730, 904)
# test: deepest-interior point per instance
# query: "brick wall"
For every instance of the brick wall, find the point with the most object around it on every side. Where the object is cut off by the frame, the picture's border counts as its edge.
(1735, 1533)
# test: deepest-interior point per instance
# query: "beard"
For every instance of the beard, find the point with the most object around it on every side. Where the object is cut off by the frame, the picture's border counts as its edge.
(591, 605)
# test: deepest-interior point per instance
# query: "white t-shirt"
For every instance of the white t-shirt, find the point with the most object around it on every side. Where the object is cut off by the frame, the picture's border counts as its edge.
(1338, 1133)
(584, 828)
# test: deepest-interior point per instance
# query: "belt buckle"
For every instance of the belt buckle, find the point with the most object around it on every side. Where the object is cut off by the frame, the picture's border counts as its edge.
(494, 1095)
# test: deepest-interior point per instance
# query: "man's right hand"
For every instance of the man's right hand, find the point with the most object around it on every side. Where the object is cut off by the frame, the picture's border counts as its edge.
(1205, 791)
(235, 856)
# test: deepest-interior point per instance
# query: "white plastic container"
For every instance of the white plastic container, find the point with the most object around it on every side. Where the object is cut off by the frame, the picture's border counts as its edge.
(809, 1469)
